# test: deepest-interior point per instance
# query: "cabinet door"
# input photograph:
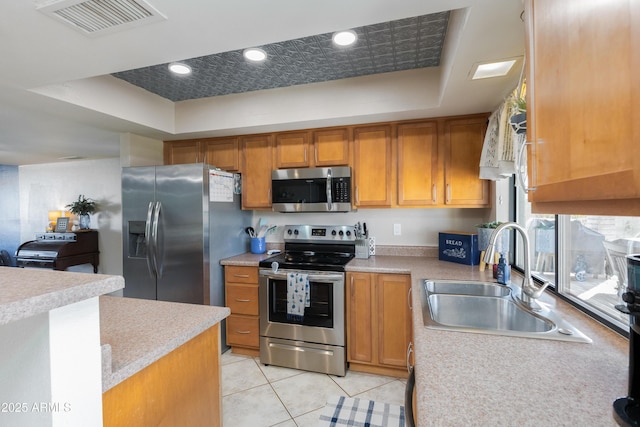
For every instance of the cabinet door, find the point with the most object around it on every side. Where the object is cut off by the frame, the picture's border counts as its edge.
(373, 166)
(463, 146)
(181, 152)
(331, 147)
(417, 164)
(360, 336)
(222, 153)
(583, 97)
(256, 172)
(394, 318)
(292, 150)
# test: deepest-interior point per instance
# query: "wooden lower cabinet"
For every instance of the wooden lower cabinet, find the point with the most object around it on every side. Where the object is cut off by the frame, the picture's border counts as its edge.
(180, 389)
(379, 325)
(241, 296)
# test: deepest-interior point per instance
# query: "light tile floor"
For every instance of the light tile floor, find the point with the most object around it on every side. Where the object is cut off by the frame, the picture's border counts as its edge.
(255, 395)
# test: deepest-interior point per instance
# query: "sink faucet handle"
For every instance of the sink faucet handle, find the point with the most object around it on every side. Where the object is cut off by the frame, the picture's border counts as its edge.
(535, 291)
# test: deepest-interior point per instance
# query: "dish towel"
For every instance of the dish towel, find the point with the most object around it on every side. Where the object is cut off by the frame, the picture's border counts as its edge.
(297, 295)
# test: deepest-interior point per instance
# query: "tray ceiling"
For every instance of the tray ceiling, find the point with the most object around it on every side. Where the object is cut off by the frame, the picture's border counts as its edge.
(385, 47)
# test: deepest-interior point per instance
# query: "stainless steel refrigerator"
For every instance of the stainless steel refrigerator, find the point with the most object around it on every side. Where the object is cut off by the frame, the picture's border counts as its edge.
(176, 230)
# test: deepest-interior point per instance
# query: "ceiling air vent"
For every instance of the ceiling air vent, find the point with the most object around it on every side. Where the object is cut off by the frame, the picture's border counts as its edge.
(99, 17)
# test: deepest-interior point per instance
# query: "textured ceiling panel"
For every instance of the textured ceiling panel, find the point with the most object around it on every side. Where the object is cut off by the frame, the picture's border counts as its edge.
(391, 46)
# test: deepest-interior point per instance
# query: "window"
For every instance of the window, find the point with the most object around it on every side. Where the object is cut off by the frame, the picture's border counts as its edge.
(582, 256)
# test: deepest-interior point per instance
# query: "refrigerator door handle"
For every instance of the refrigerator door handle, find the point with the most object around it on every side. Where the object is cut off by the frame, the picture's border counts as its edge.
(158, 255)
(149, 243)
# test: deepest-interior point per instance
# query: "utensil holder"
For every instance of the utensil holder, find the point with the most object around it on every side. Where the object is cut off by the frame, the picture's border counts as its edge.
(258, 245)
(362, 248)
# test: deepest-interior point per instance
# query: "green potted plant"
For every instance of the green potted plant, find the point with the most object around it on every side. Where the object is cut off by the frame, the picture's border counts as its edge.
(484, 233)
(83, 207)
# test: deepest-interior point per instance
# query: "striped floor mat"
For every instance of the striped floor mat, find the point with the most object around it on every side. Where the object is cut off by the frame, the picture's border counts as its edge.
(346, 411)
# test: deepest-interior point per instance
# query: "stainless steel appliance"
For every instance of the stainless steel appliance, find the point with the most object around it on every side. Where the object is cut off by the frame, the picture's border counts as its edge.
(60, 250)
(311, 190)
(626, 410)
(176, 228)
(314, 341)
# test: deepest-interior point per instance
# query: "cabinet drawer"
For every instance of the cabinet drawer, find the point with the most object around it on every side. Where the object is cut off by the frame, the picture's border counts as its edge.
(243, 331)
(235, 274)
(242, 299)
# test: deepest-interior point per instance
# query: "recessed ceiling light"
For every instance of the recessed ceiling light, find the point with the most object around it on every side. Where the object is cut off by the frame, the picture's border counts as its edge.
(179, 68)
(255, 54)
(492, 69)
(345, 38)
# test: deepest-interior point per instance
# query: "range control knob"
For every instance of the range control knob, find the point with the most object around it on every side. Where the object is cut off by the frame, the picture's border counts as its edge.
(295, 232)
(333, 233)
(348, 233)
(289, 232)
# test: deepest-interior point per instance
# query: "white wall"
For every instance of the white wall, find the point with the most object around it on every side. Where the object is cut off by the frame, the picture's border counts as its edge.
(46, 187)
(136, 150)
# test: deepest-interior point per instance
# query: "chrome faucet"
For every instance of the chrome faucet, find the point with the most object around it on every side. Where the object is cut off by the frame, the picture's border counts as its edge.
(530, 291)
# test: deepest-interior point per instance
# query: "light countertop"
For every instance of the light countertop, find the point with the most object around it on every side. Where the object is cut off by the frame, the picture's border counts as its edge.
(134, 333)
(478, 379)
(27, 292)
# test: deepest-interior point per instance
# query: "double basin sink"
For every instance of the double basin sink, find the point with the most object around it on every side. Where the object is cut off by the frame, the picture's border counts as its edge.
(490, 308)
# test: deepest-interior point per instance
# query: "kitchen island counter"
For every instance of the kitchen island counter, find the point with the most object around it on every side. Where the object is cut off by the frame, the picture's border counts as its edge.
(161, 362)
(134, 333)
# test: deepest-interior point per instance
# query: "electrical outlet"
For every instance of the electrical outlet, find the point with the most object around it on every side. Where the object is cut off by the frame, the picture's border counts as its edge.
(397, 229)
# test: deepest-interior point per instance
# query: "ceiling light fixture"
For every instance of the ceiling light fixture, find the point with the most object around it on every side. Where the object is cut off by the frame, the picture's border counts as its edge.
(492, 69)
(179, 68)
(255, 54)
(345, 38)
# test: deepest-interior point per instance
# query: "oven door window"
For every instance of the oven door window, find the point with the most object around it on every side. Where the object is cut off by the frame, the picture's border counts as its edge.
(319, 313)
(300, 191)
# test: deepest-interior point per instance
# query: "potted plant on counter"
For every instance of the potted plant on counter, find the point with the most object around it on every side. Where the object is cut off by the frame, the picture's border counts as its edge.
(484, 234)
(82, 208)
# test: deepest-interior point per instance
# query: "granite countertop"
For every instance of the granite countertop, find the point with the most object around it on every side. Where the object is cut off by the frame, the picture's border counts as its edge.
(134, 333)
(478, 379)
(245, 260)
(28, 292)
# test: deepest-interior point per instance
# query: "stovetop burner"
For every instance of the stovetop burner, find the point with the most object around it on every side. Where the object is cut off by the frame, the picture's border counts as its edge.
(322, 248)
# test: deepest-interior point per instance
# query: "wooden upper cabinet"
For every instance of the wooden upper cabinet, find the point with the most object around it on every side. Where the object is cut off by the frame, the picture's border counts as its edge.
(331, 147)
(256, 171)
(373, 166)
(223, 153)
(463, 139)
(181, 152)
(418, 164)
(292, 150)
(583, 98)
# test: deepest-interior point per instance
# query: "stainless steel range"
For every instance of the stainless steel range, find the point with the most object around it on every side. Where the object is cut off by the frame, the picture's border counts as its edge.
(302, 301)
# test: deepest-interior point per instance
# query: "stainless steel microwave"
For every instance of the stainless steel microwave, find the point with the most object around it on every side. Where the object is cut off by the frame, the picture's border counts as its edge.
(311, 190)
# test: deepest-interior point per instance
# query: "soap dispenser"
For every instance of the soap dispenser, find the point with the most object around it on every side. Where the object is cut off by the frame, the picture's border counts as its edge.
(504, 271)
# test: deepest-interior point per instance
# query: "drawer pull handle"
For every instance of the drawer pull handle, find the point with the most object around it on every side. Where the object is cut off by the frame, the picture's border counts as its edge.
(243, 300)
(243, 332)
(244, 276)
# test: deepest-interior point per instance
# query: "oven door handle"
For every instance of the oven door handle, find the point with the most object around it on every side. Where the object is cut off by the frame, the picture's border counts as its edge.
(311, 277)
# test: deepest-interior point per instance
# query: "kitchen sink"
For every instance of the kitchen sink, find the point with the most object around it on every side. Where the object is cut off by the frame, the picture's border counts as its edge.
(490, 308)
(485, 313)
(467, 288)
